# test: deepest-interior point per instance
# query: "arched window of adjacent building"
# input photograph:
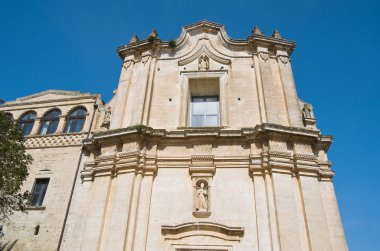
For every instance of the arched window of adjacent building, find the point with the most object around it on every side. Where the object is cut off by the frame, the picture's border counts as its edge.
(49, 122)
(26, 122)
(75, 120)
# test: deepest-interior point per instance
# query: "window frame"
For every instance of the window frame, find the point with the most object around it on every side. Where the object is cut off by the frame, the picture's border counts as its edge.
(41, 197)
(205, 112)
(29, 121)
(75, 119)
(50, 121)
(185, 95)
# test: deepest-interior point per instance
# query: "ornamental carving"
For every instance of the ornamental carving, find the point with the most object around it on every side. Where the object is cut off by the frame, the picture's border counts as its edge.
(107, 117)
(203, 63)
(284, 59)
(55, 140)
(127, 64)
(201, 198)
(264, 55)
(144, 59)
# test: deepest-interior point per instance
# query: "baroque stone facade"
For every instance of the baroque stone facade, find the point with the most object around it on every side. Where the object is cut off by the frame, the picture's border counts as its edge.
(204, 146)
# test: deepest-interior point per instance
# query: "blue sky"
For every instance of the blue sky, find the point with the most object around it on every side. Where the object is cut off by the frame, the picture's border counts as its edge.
(71, 45)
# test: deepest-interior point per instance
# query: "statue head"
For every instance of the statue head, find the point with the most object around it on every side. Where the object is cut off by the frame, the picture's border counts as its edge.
(202, 185)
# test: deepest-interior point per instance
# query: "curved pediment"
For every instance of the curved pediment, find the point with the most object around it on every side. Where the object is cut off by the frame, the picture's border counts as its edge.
(204, 50)
(202, 228)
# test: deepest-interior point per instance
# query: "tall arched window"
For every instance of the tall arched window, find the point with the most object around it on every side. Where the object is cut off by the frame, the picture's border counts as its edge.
(26, 122)
(75, 120)
(49, 122)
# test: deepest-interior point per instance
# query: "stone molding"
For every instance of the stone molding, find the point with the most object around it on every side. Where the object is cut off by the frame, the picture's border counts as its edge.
(204, 50)
(205, 164)
(206, 27)
(202, 228)
(113, 165)
(55, 140)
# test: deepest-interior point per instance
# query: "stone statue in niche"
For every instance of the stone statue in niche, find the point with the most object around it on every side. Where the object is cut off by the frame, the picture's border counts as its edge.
(307, 111)
(203, 63)
(107, 117)
(201, 199)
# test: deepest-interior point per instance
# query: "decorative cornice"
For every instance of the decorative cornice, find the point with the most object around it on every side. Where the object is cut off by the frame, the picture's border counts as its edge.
(211, 28)
(202, 228)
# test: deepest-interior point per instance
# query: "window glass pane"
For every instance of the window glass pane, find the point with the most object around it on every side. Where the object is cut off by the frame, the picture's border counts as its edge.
(212, 108)
(39, 191)
(198, 108)
(68, 125)
(212, 120)
(27, 127)
(197, 120)
(211, 99)
(52, 114)
(52, 126)
(44, 127)
(198, 99)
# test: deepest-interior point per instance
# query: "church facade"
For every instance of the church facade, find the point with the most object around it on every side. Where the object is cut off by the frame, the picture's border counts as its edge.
(204, 146)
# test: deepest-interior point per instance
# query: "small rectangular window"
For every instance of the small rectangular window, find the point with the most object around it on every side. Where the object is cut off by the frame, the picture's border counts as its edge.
(39, 191)
(205, 111)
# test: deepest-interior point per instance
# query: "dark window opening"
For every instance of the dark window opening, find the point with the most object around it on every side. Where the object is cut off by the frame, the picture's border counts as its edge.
(39, 192)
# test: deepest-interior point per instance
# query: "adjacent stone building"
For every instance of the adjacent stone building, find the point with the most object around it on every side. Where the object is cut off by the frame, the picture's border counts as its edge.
(204, 146)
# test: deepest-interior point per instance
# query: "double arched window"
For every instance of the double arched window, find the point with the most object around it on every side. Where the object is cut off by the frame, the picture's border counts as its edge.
(75, 120)
(49, 122)
(26, 122)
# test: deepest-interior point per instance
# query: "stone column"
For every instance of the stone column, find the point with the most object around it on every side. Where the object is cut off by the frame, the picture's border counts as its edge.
(128, 246)
(61, 124)
(115, 225)
(273, 94)
(97, 206)
(288, 221)
(36, 126)
(337, 238)
(292, 103)
(316, 219)
(143, 213)
(260, 91)
(262, 212)
(122, 94)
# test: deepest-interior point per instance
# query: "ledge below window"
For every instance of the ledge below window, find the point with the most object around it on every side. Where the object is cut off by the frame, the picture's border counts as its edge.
(37, 208)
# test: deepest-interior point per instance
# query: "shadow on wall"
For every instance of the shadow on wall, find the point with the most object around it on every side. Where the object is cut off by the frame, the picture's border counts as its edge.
(6, 246)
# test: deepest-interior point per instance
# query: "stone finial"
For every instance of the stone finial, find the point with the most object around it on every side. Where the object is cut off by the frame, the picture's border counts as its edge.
(276, 34)
(153, 33)
(134, 39)
(257, 31)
